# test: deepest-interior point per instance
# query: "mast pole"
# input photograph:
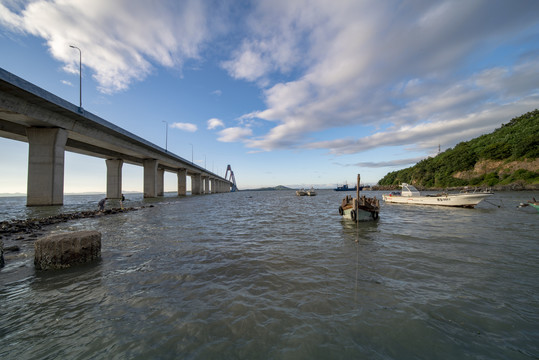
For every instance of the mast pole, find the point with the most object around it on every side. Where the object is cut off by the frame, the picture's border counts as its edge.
(357, 198)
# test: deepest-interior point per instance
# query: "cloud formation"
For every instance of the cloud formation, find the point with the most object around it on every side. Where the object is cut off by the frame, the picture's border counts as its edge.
(184, 126)
(401, 67)
(234, 134)
(214, 123)
(377, 74)
(120, 40)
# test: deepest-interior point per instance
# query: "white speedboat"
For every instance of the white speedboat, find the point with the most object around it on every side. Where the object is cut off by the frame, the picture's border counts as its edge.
(301, 192)
(410, 195)
(311, 192)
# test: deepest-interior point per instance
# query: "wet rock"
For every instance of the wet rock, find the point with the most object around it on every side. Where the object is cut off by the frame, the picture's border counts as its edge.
(65, 250)
(12, 248)
(1, 254)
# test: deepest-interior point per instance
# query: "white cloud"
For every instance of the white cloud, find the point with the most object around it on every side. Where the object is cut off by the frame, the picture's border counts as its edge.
(247, 65)
(120, 40)
(383, 164)
(390, 73)
(398, 66)
(215, 123)
(184, 126)
(234, 134)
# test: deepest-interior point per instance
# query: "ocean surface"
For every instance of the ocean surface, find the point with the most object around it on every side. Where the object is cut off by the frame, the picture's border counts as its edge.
(270, 275)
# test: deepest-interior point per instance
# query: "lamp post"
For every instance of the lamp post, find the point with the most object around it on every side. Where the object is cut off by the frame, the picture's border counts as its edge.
(80, 76)
(191, 152)
(166, 135)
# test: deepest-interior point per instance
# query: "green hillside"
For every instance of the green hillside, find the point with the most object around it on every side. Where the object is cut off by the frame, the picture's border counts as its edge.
(506, 156)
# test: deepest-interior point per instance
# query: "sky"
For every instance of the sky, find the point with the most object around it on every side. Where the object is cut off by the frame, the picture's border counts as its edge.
(298, 93)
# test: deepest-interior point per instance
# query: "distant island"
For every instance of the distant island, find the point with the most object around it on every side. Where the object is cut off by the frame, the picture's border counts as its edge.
(506, 159)
(278, 187)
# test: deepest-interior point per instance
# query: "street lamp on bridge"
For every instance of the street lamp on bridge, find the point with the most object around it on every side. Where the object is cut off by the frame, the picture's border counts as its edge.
(80, 76)
(166, 136)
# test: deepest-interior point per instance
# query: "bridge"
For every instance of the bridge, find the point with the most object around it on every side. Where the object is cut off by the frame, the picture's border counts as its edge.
(51, 126)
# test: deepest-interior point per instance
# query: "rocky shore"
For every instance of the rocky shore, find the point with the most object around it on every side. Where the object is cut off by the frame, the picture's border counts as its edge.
(15, 233)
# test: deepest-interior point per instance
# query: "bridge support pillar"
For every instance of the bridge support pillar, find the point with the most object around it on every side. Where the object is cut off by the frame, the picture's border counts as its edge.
(212, 185)
(206, 185)
(196, 184)
(114, 178)
(150, 178)
(160, 182)
(45, 166)
(182, 182)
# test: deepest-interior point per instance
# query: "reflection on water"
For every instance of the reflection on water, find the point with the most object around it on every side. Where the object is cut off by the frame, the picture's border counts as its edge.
(273, 275)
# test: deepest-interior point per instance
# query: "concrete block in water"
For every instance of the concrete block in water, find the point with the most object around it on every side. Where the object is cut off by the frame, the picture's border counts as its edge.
(65, 250)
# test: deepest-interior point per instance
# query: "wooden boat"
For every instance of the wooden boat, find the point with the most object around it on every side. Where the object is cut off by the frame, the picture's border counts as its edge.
(410, 195)
(360, 208)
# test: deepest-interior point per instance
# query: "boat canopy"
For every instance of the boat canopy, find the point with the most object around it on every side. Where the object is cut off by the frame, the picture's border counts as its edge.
(409, 190)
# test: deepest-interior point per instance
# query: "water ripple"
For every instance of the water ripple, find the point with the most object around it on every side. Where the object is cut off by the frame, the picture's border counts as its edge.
(272, 275)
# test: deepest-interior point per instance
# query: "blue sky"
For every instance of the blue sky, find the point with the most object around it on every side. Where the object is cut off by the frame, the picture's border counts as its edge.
(299, 93)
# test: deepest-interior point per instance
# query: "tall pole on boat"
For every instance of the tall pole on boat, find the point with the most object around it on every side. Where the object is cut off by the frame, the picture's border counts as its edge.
(357, 198)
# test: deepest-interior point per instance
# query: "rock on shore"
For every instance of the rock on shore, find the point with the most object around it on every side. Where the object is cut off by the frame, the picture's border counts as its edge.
(65, 250)
(24, 232)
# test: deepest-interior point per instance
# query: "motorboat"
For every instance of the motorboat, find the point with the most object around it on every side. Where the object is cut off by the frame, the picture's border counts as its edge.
(311, 192)
(301, 192)
(410, 195)
(345, 188)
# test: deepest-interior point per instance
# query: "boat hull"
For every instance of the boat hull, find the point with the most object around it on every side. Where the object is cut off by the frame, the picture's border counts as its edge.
(458, 200)
(363, 215)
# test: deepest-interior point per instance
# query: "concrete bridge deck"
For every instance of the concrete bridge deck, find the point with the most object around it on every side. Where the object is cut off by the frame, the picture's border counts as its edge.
(52, 125)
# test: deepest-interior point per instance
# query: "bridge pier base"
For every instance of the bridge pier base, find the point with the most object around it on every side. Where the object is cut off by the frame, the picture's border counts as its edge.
(206, 180)
(114, 178)
(150, 178)
(45, 166)
(196, 182)
(182, 182)
(160, 182)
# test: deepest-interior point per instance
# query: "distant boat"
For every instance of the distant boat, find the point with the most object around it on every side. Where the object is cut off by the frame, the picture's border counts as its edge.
(533, 203)
(410, 195)
(301, 192)
(311, 192)
(346, 188)
(360, 208)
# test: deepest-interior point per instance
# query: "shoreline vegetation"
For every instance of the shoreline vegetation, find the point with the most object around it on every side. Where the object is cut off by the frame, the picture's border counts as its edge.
(506, 159)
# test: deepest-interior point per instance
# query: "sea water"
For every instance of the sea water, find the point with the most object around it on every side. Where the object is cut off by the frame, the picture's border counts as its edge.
(270, 275)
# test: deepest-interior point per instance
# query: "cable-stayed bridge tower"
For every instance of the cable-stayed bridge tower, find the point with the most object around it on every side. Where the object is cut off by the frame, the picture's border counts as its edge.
(232, 179)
